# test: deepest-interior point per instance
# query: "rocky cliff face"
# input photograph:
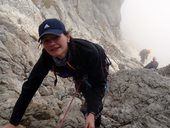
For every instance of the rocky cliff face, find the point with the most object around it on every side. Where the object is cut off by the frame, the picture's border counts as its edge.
(98, 21)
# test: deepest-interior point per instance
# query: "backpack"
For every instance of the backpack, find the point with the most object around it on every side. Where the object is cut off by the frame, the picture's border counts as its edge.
(104, 58)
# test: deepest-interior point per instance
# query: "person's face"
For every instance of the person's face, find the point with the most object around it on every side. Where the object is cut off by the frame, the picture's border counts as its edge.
(56, 46)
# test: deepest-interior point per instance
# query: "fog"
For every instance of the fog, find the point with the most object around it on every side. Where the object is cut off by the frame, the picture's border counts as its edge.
(146, 24)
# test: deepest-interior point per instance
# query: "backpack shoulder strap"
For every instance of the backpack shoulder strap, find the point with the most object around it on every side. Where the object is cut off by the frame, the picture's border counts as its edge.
(70, 65)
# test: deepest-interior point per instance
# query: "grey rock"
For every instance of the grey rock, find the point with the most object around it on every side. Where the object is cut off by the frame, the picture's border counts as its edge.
(137, 97)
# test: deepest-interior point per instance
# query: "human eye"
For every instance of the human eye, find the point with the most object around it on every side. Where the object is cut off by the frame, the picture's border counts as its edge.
(45, 40)
(56, 38)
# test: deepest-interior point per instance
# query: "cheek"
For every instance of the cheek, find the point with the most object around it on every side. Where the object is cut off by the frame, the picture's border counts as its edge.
(45, 47)
(63, 43)
(65, 46)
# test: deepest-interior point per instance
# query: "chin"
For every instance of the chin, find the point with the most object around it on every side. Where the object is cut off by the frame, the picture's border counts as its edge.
(54, 54)
(57, 55)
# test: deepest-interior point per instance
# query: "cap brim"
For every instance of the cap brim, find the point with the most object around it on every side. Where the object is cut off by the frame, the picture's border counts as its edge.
(55, 32)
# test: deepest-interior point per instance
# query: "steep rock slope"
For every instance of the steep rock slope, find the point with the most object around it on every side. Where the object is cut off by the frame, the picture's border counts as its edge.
(96, 20)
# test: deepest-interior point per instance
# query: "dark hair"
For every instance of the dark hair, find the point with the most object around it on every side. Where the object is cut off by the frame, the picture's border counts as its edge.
(67, 33)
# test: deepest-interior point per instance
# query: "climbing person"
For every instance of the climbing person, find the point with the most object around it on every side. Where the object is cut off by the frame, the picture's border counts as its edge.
(84, 61)
(153, 64)
(144, 55)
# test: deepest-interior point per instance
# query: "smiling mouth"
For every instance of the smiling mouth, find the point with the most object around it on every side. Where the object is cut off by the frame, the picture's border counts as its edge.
(54, 49)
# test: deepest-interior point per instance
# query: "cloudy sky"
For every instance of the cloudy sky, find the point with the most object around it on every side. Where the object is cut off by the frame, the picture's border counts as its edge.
(146, 24)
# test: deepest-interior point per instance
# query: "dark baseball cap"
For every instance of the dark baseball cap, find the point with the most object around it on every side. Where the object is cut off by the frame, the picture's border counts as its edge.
(51, 26)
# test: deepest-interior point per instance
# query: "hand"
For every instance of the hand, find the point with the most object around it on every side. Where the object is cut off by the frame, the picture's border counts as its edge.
(9, 125)
(90, 119)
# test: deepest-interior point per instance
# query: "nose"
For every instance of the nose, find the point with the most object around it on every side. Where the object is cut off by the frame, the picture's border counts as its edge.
(51, 42)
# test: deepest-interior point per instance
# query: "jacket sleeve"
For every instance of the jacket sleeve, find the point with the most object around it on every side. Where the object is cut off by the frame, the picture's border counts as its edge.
(40, 70)
(96, 79)
(93, 98)
(148, 65)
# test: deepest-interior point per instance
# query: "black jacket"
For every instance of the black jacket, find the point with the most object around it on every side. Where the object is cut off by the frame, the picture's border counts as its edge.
(152, 65)
(85, 58)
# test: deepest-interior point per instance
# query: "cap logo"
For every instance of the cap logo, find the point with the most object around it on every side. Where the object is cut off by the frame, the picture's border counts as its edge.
(46, 26)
